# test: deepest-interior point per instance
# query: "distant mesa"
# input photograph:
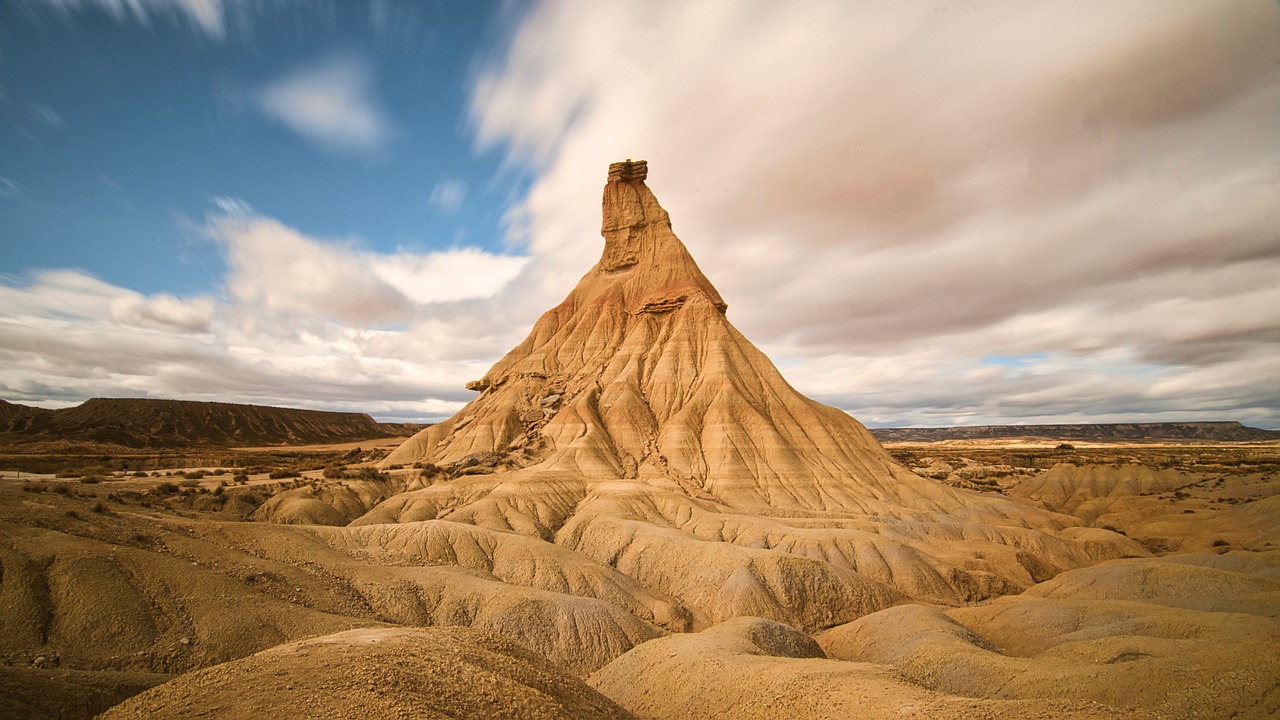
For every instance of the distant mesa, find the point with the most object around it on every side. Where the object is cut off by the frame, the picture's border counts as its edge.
(143, 423)
(1137, 432)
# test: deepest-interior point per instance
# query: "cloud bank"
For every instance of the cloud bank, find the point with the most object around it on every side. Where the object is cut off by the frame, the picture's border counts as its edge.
(926, 213)
(303, 321)
(936, 212)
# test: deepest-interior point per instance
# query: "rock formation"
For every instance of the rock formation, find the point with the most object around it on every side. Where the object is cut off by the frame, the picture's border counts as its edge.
(637, 426)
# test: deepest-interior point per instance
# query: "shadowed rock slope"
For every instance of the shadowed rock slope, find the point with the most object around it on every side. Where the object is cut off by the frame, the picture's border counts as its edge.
(638, 427)
(379, 673)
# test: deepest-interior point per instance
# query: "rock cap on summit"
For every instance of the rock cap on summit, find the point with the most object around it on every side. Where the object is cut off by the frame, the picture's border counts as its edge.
(628, 170)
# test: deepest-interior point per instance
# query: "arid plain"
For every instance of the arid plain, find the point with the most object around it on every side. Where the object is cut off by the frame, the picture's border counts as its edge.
(638, 517)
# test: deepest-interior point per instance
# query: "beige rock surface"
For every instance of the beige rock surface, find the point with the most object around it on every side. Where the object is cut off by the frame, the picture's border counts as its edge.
(384, 673)
(1119, 634)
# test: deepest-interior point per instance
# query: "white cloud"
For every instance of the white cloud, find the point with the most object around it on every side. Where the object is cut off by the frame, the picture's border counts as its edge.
(331, 104)
(900, 190)
(275, 270)
(9, 188)
(305, 322)
(208, 16)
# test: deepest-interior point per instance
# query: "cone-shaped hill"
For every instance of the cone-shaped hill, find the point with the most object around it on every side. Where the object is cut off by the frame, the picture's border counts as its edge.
(638, 374)
(638, 428)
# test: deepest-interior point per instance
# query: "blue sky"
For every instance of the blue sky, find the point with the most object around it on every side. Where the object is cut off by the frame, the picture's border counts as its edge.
(119, 127)
(926, 213)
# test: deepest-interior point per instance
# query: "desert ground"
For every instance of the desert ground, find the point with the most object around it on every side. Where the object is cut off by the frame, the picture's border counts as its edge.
(637, 517)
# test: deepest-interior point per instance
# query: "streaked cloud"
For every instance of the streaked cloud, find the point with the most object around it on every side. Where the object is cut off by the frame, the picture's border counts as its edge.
(331, 103)
(49, 115)
(209, 17)
(887, 193)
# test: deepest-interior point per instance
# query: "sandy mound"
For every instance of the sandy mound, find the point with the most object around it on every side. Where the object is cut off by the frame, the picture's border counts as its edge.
(120, 590)
(1084, 491)
(336, 503)
(47, 693)
(1167, 510)
(753, 668)
(1207, 582)
(389, 673)
(1104, 634)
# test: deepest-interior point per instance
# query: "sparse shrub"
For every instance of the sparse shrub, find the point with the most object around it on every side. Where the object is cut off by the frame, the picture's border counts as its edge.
(90, 480)
(190, 483)
(284, 474)
(241, 479)
(99, 506)
(193, 475)
(165, 488)
(138, 474)
(369, 473)
(218, 471)
(217, 491)
(334, 472)
(63, 489)
(1220, 543)
(1066, 446)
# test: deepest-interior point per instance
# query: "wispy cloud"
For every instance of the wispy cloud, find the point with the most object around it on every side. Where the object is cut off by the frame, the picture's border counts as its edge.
(207, 16)
(448, 195)
(331, 103)
(886, 193)
(49, 115)
(9, 188)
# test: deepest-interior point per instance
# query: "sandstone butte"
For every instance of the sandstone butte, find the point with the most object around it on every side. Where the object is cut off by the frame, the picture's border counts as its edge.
(635, 425)
(638, 517)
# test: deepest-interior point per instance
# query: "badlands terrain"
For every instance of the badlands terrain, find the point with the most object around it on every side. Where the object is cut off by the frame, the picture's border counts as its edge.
(637, 517)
